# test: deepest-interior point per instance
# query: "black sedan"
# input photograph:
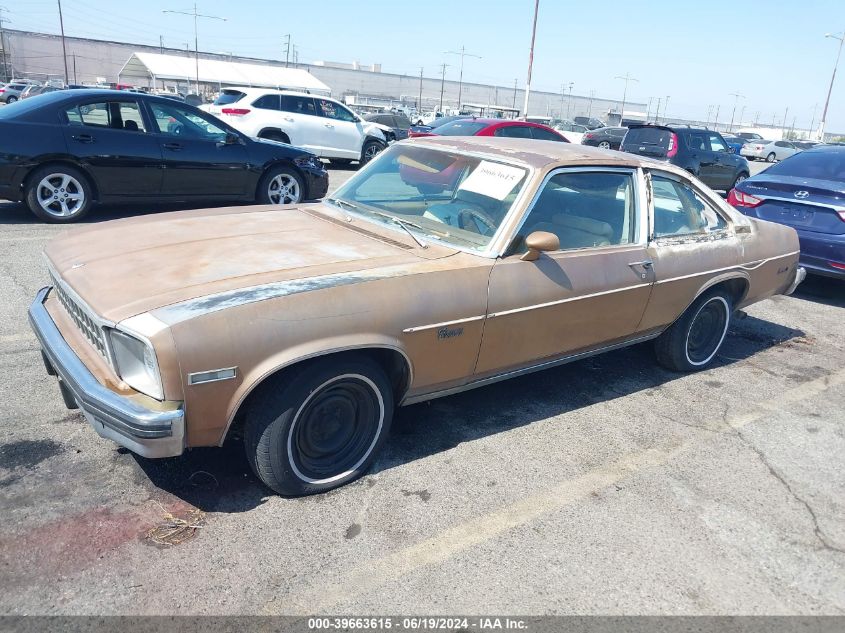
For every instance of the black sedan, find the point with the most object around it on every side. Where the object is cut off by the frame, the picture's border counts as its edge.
(605, 137)
(61, 152)
(806, 192)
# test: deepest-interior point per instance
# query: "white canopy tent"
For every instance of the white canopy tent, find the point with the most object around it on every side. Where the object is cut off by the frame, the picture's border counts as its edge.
(153, 67)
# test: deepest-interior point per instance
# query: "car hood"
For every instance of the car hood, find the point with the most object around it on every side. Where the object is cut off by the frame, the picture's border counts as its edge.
(125, 267)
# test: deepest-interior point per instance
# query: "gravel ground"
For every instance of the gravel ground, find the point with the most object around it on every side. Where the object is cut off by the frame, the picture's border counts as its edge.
(606, 486)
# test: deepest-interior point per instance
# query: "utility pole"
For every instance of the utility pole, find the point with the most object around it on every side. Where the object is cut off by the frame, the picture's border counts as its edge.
(841, 39)
(756, 118)
(515, 81)
(531, 56)
(590, 106)
(657, 113)
(74, 69)
(287, 50)
(648, 108)
(569, 101)
(736, 97)
(419, 103)
(813, 120)
(3, 45)
(443, 68)
(295, 57)
(463, 53)
(665, 107)
(783, 127)
(741, 115)
(64, 48)
(160, 45)
(562, 92)
(195, 15)
(626, 79)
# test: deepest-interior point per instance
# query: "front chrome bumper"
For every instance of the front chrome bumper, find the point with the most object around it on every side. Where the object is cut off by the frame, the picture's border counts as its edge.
(800, 275)
(145, 431)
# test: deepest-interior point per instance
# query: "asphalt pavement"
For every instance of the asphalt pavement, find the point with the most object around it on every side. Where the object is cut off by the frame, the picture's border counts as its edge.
(608, 486)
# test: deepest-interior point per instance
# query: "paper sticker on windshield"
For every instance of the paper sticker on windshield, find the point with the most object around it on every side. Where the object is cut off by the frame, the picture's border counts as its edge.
(493, 180)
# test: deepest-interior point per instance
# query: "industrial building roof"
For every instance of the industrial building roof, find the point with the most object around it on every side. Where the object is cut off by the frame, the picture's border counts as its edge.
(176, 67)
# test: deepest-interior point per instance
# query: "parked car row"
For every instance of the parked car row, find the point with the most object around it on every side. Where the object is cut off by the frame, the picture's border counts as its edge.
(64, 151)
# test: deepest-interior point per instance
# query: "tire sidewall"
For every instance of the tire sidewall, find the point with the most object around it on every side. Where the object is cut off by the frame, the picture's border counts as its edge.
(724, 301)
(31, 197)
(263, 196)
(272, 430)
(364, 160)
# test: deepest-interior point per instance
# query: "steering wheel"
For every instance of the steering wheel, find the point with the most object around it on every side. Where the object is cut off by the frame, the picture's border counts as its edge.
(470, 213)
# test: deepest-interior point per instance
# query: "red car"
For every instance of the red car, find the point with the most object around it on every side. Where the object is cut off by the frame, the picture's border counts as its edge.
(494, 127)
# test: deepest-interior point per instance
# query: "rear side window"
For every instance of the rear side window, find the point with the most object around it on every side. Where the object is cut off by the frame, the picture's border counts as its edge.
(117, 115)
(544, 135)
(514, 131)
(229, 96)
(678, 210)
(268, 102)
(299, 105)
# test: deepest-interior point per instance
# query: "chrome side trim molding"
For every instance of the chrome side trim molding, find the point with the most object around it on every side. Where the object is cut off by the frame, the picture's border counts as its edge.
(567, 300)
(420, 328)
(527, 370)
(752, 266)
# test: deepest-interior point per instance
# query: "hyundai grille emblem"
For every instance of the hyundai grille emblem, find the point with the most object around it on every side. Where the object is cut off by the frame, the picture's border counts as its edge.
(802, 194)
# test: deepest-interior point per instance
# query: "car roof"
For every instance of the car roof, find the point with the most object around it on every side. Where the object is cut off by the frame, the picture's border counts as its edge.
(263, 91)
(537, 153)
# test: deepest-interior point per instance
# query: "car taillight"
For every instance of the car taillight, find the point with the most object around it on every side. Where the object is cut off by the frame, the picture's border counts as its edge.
(590, 136)
(673, 146)
(236, 111)
(739, 199)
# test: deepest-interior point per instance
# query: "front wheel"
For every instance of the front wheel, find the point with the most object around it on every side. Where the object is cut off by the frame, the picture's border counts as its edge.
(281, 185)
(370, 150)
(59, 194)
(691, 343)
(771, 158)
(322, 429)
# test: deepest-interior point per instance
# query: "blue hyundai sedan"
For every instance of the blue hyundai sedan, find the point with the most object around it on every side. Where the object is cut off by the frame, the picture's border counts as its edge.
(807, 192)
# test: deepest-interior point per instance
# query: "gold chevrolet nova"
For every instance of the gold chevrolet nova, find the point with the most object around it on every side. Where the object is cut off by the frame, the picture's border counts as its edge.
(444, 264)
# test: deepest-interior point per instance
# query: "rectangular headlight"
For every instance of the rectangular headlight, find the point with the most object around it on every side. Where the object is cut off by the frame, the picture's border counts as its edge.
(136, 364)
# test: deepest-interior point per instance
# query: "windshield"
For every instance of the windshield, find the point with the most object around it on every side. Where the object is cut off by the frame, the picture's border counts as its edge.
(821, 165)
(435, 194)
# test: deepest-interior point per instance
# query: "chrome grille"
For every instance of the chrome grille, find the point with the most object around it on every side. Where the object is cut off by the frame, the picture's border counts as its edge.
(84, 320)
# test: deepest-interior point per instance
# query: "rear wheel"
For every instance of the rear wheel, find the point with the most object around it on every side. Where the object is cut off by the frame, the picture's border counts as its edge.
(11, 99)
(604, 145)
(322, 429)
(58, 194)
(691, 343)
(771, 158)
(740, 177)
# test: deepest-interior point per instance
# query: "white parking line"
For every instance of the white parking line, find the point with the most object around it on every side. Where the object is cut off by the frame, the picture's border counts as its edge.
(375, 573)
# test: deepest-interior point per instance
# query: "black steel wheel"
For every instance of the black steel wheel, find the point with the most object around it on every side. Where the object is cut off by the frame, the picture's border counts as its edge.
(322, 429)
(692, 342)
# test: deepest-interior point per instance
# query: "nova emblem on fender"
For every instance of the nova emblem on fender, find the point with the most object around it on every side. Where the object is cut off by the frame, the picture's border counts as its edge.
(802, 194)
(444, 332)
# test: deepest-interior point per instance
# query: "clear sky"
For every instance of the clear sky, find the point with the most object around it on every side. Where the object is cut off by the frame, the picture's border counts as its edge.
(773, 52)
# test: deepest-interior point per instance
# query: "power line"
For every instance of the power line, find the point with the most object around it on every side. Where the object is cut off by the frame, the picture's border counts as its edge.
(463, 53)
(195, 15)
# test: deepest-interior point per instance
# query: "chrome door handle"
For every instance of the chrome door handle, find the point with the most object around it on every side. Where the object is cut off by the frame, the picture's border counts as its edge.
(645, 263)
(329, 125)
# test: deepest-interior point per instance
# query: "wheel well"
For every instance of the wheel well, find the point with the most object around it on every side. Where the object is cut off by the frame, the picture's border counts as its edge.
(268, 132)
(737, 288)
(393, 362)
(95, 194)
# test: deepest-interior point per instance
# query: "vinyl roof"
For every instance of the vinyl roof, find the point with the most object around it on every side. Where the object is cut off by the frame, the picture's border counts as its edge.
(178, 67)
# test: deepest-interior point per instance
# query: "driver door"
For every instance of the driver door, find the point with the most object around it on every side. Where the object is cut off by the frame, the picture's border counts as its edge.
(590, 293)
(197, 161)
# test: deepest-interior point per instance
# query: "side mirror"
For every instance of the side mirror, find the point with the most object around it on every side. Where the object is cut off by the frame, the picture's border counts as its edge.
(731, 150)
(538, 242)
(232, 139)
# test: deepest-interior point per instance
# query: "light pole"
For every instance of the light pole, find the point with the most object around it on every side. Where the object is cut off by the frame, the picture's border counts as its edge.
(64, 48)
(443, 68)
(463, 53)
(569, 101)
(841, 39)
(196, 15)
(736, 97)
(531, 57)
(626, 79)
(813, 120)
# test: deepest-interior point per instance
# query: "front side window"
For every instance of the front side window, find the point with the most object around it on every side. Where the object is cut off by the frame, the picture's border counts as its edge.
(332, 110)
(175, 121)
(584, 209)
(117, 115)
(436, 194)
(678, 210)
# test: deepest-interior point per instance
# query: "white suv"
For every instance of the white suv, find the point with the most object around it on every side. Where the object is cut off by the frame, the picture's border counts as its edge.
(316, 123)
